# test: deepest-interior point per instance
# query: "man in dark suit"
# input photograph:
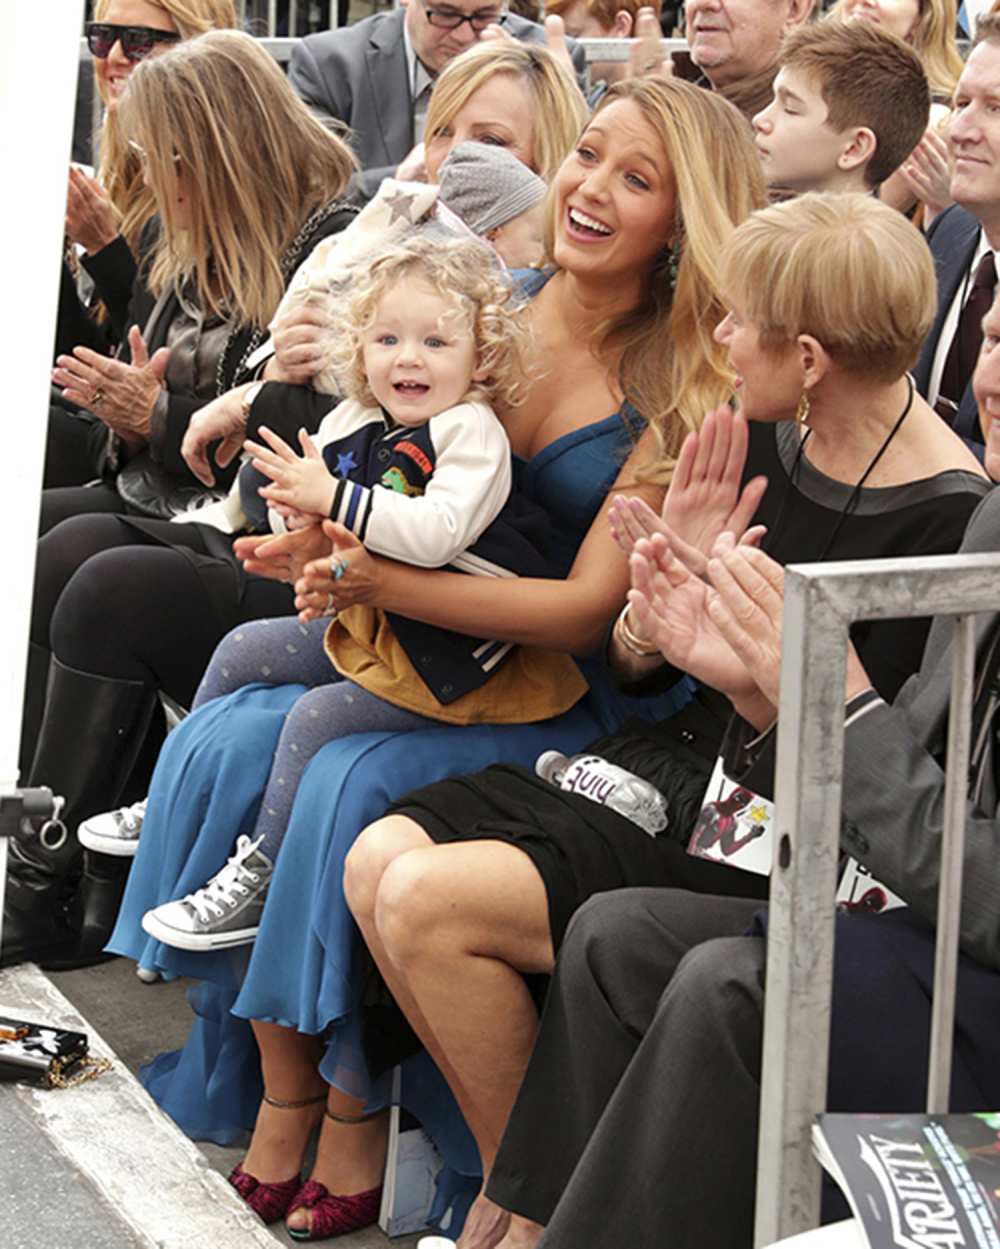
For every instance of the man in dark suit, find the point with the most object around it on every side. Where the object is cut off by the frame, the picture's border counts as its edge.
(963, 239)
(376, 76)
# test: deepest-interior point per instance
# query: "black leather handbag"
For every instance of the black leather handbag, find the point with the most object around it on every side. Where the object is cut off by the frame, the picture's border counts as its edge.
(150, 490)
(33, 1053)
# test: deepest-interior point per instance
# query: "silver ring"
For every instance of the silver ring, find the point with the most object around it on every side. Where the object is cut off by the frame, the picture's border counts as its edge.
(338, 566)
(98, 397)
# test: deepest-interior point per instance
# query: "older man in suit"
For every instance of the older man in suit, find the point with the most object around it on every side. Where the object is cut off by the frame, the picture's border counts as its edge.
(637, 1120)
(376, 76)
(964, 239)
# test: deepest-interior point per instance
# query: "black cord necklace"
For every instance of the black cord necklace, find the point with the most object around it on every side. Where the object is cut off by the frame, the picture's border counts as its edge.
(855, 494)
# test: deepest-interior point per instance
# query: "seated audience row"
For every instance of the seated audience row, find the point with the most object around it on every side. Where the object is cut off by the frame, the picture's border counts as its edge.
(660, 292)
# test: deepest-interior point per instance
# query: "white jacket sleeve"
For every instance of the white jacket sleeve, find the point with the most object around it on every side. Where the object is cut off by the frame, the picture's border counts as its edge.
(469, 486)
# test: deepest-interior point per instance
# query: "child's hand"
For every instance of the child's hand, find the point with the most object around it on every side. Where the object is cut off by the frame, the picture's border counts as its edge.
(293, 518)
(301, 482)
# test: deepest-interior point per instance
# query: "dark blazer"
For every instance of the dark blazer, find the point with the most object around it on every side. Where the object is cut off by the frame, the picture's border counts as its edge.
(952, 238)
(893, 799)
(358, 75)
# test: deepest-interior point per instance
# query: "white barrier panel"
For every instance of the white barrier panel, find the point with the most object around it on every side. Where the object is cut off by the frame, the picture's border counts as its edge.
(36, 119)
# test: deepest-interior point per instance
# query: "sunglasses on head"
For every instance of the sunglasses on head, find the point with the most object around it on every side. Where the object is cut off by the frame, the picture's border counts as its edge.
(136, 41)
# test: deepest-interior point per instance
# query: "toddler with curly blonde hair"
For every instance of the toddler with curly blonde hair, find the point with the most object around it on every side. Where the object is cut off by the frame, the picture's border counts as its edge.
(415, 463)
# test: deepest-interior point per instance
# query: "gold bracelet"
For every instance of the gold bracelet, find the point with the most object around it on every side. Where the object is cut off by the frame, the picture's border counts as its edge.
(631, 641)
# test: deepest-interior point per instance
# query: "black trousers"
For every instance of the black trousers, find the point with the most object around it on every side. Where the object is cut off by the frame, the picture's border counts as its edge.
(638, 1112)
(75, 446)
(637, 1121)
(116, 603)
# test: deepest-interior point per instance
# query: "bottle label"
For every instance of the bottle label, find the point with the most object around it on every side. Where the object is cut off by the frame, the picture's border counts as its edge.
(624, 792)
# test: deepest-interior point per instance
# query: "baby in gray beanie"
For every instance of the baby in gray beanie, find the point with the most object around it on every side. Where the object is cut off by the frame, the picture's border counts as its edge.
(498, 197)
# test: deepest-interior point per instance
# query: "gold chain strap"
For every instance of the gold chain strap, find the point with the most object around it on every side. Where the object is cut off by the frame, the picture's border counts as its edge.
(91, 1068)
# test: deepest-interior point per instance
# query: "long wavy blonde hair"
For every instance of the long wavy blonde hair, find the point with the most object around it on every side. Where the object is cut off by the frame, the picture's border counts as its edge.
(218, 112)
(933, 40)
(559, 108)
(121, 174)
(669, 365)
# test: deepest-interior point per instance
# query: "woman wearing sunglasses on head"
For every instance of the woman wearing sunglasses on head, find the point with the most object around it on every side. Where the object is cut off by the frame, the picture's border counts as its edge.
(108, 218)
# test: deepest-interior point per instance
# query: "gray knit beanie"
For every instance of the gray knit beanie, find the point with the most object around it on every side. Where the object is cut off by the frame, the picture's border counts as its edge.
(487, 186)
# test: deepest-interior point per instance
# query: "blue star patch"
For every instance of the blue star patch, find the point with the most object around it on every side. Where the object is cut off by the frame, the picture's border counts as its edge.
(345, 463)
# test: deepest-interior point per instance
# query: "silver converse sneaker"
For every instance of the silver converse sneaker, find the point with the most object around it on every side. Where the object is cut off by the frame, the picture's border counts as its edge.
(114, 832)
(226, 912)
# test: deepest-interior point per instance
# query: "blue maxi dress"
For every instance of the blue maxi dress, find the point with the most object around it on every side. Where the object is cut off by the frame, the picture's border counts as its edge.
(305, 969)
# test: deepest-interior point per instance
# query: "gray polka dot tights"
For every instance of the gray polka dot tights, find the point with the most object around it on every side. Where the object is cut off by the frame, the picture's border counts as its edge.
(284, 652)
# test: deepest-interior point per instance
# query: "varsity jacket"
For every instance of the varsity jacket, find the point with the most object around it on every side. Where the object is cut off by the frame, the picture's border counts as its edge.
(436, 496)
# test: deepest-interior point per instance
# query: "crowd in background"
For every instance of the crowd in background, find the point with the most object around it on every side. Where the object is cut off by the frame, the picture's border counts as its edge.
(430, 427)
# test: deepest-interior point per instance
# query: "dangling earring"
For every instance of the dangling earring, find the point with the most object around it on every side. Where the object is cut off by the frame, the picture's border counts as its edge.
(673, 263)
(802, 411)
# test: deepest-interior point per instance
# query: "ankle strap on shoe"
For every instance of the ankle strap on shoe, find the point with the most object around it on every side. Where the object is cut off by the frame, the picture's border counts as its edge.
(281, 1104)
(353, 1119)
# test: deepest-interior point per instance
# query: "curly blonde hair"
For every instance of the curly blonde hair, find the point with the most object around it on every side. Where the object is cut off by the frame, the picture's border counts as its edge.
(463, 271)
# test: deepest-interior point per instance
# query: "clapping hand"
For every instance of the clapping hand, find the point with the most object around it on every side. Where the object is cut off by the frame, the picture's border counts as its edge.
(670, 606)
(746, 609)
(347, 575)
(91, 219)
(122, 395)
(646, 57)
(927, 172)
(704, 499)
(302, 482)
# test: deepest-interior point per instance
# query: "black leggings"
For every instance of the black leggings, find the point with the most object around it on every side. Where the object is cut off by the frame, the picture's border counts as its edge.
(113, 602)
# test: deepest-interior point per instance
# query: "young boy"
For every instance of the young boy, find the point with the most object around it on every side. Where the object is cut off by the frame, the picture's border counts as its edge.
(850, 104)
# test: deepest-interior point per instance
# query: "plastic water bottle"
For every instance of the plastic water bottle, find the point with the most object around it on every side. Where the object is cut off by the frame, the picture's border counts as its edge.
(611, 786)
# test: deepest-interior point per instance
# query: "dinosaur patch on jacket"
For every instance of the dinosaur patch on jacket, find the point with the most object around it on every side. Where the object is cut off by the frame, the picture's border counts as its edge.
(395, 479)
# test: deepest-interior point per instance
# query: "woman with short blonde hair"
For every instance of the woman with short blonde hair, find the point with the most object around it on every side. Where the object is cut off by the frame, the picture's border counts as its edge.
(871, 317)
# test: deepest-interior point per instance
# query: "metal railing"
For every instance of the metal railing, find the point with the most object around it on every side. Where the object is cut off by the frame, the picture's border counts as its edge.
(821, 602)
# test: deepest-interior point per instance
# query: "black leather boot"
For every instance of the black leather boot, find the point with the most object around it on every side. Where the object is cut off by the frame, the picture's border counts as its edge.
(33, 709)
(91, 733)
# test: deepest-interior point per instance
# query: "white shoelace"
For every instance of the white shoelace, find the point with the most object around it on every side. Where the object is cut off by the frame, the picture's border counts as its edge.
(130, 818)
(220, 890)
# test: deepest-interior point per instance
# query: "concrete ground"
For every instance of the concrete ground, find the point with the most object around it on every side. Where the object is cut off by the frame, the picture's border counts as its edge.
(139, 1021)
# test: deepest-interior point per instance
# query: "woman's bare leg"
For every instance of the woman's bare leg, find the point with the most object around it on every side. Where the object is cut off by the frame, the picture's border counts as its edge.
(350, 1157)
(289, 1062)
(460, 924)
(379, 845)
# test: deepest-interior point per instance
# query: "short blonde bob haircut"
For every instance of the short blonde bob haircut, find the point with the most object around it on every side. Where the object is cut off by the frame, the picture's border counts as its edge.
(933, 40)
(668, 364)
(846, 269)
(464, 272)
(121, 174)
(216, 116)
(559, 108)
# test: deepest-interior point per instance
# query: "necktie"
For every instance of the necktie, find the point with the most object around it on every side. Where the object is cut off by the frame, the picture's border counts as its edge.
(961, 360)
